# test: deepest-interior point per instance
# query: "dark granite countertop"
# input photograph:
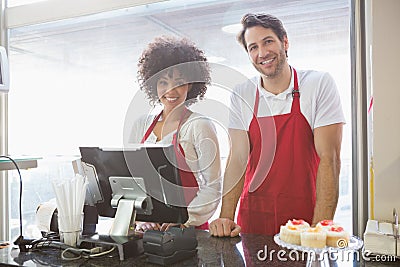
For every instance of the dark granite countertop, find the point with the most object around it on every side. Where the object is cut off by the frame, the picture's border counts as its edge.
(247, 250)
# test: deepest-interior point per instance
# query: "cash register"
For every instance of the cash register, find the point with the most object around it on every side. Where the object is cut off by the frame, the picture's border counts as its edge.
(141, 183)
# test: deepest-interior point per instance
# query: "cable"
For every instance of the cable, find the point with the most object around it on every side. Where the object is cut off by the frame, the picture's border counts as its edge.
(20, 191)
(73, 251)
(30, 244)
(102, 253)
(21, 242)
(84, 253)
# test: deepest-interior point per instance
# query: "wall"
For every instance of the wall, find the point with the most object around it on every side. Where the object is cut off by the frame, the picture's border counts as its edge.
(385, 56)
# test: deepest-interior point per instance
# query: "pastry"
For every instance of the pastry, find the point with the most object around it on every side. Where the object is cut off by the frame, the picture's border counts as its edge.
(336, 236)
(290, 234)
(313, 237)
(302, 224)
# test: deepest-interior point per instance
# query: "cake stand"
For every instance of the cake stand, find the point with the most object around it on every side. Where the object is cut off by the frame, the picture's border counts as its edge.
(321, 257)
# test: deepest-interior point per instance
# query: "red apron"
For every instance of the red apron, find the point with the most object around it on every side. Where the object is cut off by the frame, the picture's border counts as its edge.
(285, 189)
(188, 180)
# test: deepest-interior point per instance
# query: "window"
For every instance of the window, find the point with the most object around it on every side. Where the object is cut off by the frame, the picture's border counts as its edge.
(73, 80)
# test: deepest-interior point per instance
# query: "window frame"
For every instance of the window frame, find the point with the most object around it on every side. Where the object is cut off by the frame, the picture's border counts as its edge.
(35, 13)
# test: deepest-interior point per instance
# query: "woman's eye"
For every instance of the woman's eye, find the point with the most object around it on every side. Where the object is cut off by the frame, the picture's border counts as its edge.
(162, 83)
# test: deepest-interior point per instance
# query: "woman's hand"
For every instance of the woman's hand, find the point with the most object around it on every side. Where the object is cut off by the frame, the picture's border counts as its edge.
(144, 226)
(166, 226)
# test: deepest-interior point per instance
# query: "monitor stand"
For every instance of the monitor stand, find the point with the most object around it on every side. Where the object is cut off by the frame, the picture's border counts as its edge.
(122, 234)
(128, 246)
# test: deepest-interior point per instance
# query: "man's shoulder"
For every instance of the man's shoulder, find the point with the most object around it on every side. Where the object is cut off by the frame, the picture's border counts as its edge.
(314, 75)
(315, 81)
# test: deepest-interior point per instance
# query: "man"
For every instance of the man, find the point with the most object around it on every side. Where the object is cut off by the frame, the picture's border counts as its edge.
(289, 147)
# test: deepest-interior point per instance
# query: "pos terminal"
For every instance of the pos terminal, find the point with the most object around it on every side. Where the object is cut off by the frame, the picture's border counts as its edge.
(137, 184)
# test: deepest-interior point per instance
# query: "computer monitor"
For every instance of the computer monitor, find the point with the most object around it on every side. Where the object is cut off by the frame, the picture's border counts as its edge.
(150, 168)
(4, 71)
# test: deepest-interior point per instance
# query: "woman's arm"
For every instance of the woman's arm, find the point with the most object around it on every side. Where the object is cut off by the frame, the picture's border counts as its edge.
(201, 148)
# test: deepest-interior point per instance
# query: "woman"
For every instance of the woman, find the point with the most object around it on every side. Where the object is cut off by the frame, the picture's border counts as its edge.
(175, 73)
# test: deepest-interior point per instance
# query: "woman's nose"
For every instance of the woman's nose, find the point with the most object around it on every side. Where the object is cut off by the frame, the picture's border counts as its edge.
(170, 89)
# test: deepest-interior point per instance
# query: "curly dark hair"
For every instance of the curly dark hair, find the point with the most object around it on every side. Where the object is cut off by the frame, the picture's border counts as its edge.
(166, 53)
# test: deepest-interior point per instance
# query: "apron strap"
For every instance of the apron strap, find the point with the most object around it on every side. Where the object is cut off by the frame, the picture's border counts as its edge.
(153, 124)
(150, 129)
(175, 137)
(295, 94)
(256, 102)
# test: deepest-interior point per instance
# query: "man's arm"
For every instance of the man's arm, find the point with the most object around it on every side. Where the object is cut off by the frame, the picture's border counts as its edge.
(327, 140)
(233, 185)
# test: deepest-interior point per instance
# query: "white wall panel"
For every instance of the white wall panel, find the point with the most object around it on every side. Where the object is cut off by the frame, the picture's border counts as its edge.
(385, 56)
(53, 10)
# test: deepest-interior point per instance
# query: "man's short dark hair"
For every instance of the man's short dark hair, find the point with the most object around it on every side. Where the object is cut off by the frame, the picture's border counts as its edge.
(265, 20)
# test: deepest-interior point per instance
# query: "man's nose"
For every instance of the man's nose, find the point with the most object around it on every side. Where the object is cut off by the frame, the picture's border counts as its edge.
(263, 52)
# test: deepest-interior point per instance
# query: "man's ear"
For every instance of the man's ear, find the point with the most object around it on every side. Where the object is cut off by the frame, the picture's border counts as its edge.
(286, 43)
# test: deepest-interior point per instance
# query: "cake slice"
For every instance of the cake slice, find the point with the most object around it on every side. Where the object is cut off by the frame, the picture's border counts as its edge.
(336, 236)
(290, 234)
(313, 237)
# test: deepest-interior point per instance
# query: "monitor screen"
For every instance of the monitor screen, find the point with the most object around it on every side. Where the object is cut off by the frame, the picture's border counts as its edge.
(155, 164)
(4, 72)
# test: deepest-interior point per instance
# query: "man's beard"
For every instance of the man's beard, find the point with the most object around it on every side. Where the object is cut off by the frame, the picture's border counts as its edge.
(279, 67)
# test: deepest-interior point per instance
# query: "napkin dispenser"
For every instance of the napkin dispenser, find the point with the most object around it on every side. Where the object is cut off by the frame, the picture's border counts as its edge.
(167, 247)
(383, 237)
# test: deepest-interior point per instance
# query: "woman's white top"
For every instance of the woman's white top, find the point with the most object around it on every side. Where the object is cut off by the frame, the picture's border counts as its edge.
(199, 142)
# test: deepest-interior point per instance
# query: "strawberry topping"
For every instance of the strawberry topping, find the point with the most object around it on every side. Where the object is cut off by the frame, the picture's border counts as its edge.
(297, 222)
(326, 222)
(336, 229)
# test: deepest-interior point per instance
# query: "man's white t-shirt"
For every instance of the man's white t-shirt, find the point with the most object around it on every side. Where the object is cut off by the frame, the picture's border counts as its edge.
(319, 101)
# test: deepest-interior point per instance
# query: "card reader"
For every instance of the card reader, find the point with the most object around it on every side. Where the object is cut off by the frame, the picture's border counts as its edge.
(167, 247)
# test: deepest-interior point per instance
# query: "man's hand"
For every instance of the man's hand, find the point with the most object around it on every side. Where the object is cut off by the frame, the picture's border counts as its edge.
(224, 227)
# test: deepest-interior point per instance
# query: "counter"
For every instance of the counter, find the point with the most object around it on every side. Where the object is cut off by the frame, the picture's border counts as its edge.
(246, 250)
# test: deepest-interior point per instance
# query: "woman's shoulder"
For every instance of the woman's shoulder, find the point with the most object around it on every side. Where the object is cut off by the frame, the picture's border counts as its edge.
(144, 119)
(198, 123)
(198, 119)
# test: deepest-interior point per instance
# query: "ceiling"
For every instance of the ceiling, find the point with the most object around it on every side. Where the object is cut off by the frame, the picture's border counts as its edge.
(115, 39)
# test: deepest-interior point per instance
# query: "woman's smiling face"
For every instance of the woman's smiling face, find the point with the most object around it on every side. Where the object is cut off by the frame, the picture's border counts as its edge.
(172, 89)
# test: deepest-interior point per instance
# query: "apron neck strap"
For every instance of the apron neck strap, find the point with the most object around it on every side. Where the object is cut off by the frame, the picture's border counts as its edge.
(150, 129)
(175, 137)
(295, 95)
(153, 124)
(295, 92)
